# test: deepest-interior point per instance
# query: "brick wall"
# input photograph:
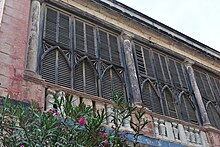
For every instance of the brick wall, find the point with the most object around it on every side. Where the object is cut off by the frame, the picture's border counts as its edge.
(13, 48)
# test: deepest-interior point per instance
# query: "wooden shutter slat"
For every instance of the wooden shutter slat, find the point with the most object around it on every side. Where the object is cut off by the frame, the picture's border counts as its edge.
(90, 78)
(200, 83)
(148, 62)
(51, 24)
(170, 102)
(78, 78)
(90, 40)
(140, 60)
(165, 69)
(214, 116)
(158, 67)
(174, 73)
(147, 100)
(114, 50)
(64, 30)
(183, 105)
(79, 36)
(181, 74)
(207, 87)
(214, 87)
(104, 49)
(106, 85)
(117, 83)
(49, 67)
(64, 72)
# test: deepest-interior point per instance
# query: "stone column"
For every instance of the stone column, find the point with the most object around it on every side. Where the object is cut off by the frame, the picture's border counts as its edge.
(33, 37)
(129, 60)
(202, 109)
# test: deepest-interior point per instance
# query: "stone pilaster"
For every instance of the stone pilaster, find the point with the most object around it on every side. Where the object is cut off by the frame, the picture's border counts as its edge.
(33, 37)
(132, 74)
(204, 115)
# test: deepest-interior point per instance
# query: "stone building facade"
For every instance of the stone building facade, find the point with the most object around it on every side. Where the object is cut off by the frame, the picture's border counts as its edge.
(93, 48)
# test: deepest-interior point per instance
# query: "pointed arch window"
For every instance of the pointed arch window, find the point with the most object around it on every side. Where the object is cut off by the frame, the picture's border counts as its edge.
(85, 76)
(213, 114)
(169, 103)
(56, 67)
(74, 51)
(150, 97)
(187, 108)
(111, 82)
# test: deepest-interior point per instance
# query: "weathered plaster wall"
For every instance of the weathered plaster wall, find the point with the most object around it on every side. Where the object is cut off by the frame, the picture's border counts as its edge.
(13, 46)
(138, 29)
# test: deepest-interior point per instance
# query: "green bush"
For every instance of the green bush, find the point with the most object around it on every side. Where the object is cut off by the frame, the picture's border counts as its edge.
(72, 126)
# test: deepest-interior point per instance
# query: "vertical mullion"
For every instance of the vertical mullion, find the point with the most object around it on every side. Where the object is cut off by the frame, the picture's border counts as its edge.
(98, 56)
(72, 26)
(143, 57)
(84, 76)
(109, 48)
(56, 67)
(85, 38)
(74, 49)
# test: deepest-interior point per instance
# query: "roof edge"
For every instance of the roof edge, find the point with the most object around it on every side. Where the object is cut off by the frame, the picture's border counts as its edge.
(132, 13)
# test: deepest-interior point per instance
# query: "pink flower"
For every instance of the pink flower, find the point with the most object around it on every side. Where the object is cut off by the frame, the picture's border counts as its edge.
(1, 99)
(104, 135)
(82, 121)
(22, 145)
(105, 144)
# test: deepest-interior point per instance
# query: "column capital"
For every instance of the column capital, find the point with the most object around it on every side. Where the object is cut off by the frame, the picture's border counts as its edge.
(127, 36)
(189, 62)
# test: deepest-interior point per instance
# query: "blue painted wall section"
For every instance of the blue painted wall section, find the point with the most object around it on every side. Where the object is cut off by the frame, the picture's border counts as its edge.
(152, 141)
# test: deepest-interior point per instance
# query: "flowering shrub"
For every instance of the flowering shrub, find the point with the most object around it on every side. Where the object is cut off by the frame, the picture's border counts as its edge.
(65, 125)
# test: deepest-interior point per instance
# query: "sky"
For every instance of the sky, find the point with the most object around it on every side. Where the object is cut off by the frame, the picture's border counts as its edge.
(198, 19)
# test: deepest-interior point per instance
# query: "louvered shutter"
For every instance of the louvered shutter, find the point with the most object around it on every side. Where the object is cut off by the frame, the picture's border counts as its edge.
(158, 67)
(140, 60)
(165, 69)
(104, 49)
(171, 103)
(174, 73)
(147, 101)
(90, 77)
(64, 72)
(207, 87)
(106, 85)
(218, 87)
(181, 74)
(78, 77)
(183, 108)
(214, 88)
(200, 83)
(114, 50)
(191, 111)
(156, 102)
(64, 30)
(79, 34)
(48, 67)
(214, 116)
(51, 25)
(117, 83)
(90, 40)
(148, 63)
